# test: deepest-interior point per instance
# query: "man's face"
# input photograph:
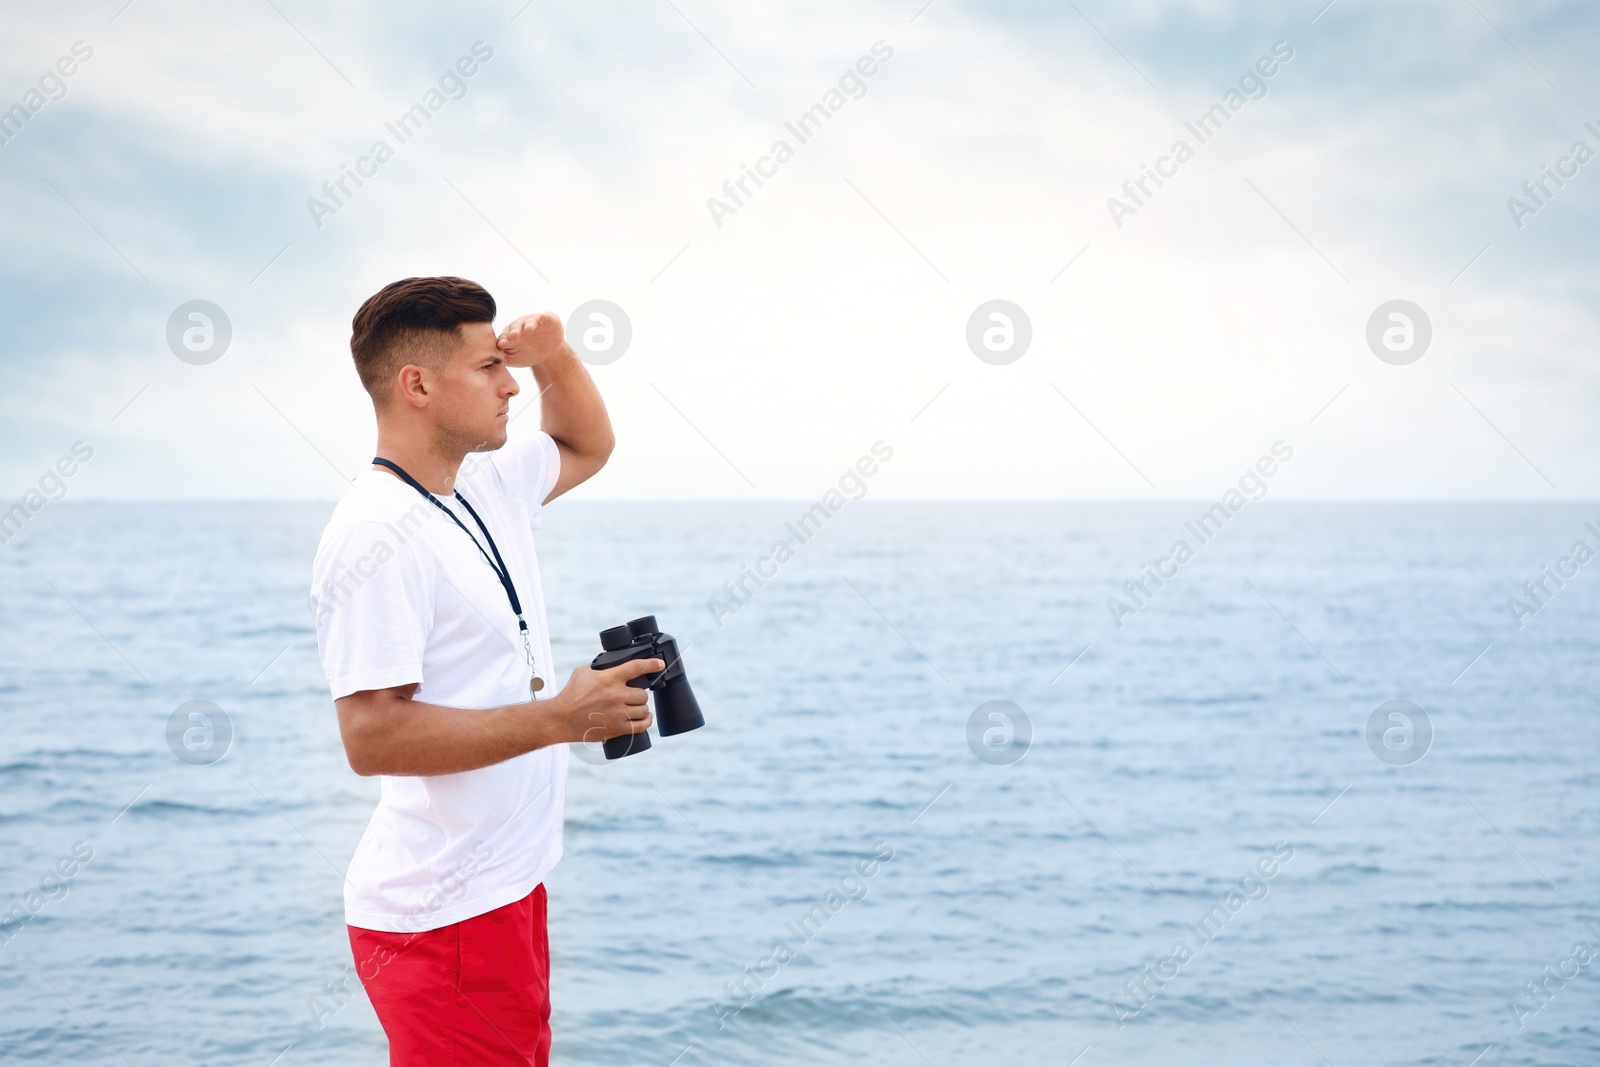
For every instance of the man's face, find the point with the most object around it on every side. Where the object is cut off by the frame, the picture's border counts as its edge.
(474, 391)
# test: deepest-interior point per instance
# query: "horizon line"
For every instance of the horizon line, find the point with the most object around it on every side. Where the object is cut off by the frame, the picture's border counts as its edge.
(805, 501)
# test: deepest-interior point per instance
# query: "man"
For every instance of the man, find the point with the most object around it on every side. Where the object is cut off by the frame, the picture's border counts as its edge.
(431, 627)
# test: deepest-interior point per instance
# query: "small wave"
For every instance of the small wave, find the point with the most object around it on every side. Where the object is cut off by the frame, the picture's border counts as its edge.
(75, 756)
(162, 809)
(1345, 873)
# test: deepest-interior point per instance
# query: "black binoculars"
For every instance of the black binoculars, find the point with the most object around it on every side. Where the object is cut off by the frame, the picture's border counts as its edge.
(677, 711)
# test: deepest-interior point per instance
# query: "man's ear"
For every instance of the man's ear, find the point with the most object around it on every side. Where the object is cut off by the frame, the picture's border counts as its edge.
(412, 384)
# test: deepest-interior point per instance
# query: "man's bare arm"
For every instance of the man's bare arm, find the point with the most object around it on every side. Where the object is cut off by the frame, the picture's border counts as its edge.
(385, 731)
(570, 408)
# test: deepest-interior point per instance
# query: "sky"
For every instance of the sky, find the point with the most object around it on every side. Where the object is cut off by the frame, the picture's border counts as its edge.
(776, 338)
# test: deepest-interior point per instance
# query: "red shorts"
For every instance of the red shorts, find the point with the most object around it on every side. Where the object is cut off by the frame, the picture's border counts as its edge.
(475, 992)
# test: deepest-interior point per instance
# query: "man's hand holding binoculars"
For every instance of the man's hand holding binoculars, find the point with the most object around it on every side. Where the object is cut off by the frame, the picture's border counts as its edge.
(597, 705)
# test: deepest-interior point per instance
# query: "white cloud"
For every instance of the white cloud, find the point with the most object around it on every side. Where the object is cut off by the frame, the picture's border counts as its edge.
(807, 327)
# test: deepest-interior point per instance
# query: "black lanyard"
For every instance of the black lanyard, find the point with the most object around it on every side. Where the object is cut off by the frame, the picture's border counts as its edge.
(496, 564)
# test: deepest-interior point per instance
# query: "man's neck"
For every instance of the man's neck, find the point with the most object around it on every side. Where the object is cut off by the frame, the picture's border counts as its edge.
(434, 469)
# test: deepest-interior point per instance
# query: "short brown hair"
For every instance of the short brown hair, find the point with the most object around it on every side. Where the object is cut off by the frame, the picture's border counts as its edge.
(414, 320)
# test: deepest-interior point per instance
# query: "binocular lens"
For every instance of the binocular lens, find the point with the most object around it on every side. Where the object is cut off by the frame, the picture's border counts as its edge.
(677, 711)
(626, 744)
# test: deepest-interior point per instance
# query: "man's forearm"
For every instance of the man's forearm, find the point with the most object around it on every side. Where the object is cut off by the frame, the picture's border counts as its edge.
(400, 736)
(570, 407)
(386, 732)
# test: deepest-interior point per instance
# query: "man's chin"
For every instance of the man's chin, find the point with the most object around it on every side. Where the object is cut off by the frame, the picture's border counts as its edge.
(491, 443)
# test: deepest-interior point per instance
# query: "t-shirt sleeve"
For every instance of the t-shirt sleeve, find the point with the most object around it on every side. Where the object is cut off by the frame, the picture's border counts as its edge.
(527, 468)
(373, 606)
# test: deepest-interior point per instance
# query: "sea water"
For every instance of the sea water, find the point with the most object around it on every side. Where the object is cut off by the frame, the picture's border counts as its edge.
(932, 906)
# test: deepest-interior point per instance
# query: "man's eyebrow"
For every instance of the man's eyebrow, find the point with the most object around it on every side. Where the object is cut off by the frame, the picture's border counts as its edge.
(494, 360)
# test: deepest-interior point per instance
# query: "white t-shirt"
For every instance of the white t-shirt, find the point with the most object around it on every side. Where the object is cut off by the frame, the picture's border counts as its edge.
(401, 595)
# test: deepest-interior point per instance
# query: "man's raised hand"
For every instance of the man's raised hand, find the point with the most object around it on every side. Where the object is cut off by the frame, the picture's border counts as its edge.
(531, 339)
